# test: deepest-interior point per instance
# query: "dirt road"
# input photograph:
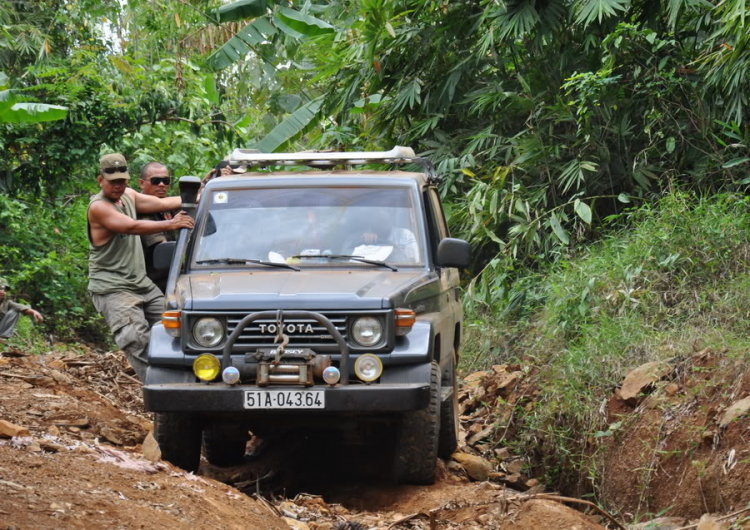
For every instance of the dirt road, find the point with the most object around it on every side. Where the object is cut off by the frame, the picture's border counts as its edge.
(75, 452)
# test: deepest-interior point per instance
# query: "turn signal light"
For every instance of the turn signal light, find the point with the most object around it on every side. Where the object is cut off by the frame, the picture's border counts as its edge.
(405, 319)
(171, 321)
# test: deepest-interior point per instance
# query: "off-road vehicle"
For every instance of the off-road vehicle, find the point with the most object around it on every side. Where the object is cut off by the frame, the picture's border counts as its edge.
(310, 295)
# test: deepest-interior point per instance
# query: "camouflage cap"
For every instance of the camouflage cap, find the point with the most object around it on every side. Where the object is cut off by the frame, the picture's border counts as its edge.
(113, 167)
(4, 283)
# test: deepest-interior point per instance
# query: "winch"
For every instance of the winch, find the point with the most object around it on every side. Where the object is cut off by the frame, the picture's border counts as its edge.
(293, 366)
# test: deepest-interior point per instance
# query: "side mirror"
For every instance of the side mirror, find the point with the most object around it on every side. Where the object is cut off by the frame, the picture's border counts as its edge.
(163, 254)
(189, 187)
(454, 253)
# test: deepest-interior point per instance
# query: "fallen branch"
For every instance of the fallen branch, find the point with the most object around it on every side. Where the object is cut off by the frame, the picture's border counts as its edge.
(409, 518)
(18, 376)
(545, 496)
(270, 507)
(133, 379)
(718, 519)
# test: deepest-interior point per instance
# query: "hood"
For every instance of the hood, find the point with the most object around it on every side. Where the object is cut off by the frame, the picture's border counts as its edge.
(307, 290)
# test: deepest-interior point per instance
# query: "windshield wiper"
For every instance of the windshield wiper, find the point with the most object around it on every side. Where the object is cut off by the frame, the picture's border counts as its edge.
(243, 261)
(347, 256)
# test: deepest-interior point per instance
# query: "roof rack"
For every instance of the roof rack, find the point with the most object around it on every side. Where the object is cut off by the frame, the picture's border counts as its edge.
(397, 155)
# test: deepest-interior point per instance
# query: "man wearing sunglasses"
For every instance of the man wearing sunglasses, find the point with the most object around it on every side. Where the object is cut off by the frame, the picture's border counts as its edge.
(155, 181)
(11, 311)
(120, 290)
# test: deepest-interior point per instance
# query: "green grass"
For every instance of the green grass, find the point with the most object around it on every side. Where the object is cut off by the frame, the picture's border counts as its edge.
(29, 339)
(672, 279)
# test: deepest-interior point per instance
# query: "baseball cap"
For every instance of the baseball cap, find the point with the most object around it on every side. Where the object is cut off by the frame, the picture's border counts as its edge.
(113, 162)
(4, 283)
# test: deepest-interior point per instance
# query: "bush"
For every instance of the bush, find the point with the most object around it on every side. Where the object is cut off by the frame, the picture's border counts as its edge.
(44, 255)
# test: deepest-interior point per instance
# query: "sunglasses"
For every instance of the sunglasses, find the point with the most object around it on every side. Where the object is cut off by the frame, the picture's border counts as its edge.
(155, 181)
(116, 169)
(4, 288)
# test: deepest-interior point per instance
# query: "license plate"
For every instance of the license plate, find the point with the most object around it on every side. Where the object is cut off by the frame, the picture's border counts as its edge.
(285, 399)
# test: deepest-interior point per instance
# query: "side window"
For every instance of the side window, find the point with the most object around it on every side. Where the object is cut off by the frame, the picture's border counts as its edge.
(435, 220)
(437, 207)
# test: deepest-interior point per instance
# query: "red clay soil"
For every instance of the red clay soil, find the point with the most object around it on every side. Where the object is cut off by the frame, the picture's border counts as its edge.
(78, 463)
(671, 456)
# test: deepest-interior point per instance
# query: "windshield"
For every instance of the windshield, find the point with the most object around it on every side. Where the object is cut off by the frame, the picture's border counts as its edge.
(310, 226)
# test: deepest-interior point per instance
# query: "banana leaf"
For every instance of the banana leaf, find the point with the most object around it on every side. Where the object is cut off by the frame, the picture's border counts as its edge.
(291, 127)
(241, 44)
(32, 113)
(300, 25)
(7, 100)
(240, 10)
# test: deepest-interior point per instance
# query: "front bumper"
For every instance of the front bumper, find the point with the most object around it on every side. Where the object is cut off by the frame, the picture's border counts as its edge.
(217, 397)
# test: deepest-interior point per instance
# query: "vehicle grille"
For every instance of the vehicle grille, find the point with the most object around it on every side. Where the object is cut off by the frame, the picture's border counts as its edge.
(302, 332)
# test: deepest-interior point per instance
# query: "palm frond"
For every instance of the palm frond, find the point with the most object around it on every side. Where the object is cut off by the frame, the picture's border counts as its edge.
(591, 10)
(516, 19)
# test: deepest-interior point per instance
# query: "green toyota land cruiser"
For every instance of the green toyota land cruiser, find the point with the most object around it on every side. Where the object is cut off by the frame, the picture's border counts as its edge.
(310, 295)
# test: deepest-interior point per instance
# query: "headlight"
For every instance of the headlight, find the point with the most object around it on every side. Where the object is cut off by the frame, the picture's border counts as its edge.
(208, 332)
(206, 367)
(368, 367)
(367, 331)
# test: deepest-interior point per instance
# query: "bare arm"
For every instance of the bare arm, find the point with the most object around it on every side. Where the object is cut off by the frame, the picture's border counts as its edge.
(150, 204)
(36, 315)
(105, 220)
(26, 310)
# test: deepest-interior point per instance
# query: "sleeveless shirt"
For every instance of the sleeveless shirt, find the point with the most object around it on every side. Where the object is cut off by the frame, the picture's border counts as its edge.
(118, 264)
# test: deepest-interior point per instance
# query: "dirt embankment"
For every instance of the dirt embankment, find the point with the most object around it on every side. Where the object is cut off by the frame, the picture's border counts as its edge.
(677, 442)
(683, 444)
(72, 455)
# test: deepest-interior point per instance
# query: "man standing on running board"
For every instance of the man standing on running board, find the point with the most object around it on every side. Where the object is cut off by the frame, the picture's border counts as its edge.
(120, 290)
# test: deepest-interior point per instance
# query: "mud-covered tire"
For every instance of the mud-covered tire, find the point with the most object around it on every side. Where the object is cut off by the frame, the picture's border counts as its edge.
(449, 425)
(416, 450)
(179, 437)
(224, 445)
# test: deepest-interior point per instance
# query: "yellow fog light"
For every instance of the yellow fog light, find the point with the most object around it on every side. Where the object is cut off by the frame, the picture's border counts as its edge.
(368, 367)
(206, 367)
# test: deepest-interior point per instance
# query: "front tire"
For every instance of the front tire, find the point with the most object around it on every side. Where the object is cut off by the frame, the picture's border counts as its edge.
(417, 439)
(449, 424)
(179, 437)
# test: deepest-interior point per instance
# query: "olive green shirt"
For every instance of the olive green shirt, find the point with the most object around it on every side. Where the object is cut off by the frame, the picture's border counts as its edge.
(6, 305)
(118, 264)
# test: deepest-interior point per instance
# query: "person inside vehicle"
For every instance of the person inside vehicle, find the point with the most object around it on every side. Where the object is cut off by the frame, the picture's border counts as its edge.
(11, 311)
(314, 233)
(375, 234)
(119, 287)
(155, 180)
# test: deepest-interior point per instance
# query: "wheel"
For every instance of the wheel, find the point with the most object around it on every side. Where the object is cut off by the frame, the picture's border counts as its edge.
(449, 425)
(224, 445)
(179, 437)
(416, 448)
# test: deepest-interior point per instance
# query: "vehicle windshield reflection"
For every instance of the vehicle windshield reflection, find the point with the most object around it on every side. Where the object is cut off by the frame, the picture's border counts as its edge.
(303, 227)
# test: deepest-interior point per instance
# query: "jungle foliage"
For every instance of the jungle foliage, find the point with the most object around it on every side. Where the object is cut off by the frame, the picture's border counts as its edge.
(545, 117)
(672, 281)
